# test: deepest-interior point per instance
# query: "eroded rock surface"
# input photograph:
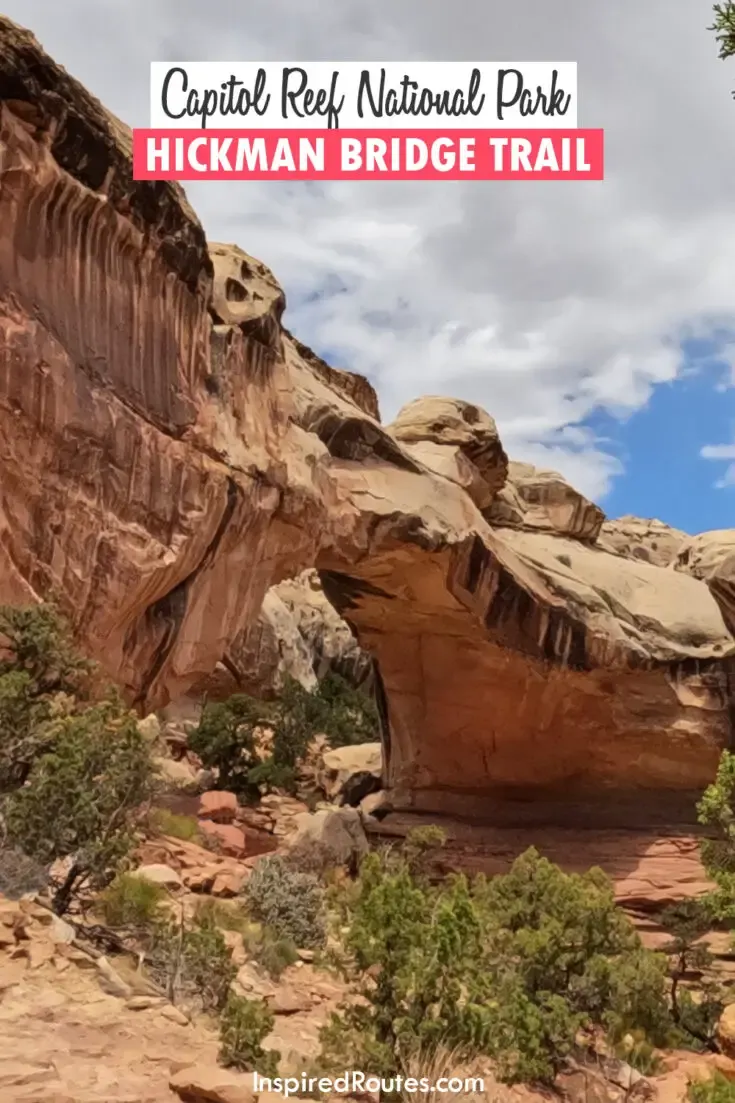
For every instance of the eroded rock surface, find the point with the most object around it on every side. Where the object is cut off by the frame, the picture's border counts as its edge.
(330, 641)
(298, 635)
(711, 558)
(536, 499)
(168, 452)
(649, 540)
(456, 440)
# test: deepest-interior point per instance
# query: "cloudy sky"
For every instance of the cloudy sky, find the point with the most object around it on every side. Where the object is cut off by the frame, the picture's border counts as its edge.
(594, 321)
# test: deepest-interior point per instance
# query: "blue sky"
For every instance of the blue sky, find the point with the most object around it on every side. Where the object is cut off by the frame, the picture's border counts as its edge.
(659, 446)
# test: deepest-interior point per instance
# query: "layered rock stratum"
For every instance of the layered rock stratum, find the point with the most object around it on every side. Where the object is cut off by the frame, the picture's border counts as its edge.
(169, 451)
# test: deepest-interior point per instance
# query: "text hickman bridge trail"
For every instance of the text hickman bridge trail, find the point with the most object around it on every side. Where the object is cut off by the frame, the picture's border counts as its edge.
(177, 154)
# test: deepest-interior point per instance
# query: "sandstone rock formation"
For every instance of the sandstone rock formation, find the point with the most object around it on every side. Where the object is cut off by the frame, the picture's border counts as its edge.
(711, 558)
(337, 833)
(349, 769)
(76, 1027)
(169, 451)
(650, 541)
(457, 441)
(329, 639)
(264, 653)
(535, 499)
(73, 1034)
(297, 634)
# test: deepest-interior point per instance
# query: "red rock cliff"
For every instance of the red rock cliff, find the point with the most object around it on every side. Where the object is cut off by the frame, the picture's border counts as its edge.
(168, 451)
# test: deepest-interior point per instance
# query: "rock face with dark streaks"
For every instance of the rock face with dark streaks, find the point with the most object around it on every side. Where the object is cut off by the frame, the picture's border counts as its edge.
(145, 439)
(535, 499)
(169, 451)
(648, 540)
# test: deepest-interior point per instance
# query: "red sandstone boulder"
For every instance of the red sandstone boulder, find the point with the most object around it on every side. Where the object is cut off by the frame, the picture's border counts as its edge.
(205, 1084)
(229, 839)
(218, 805)
(227, 884)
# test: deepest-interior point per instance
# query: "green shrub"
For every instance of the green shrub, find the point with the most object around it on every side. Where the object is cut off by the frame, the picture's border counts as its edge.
(165, 822)
(225, 915)
(225, 741)
(640, 1055)
(694, 1012)
(421, 845)
(718, 1089)
(574, 955)
(512, 968)
(37, 640)
(84, 796)
(272, 952)
(207, 965)
(296, 719)
(41, 675)
(724, 26)
(313, 856)
(348, 715)
(335, 709)
(20, 874)
(25, 731)
(131, 901)
(192, 963)
(716, 810)
(243, 1026)
(292, 904)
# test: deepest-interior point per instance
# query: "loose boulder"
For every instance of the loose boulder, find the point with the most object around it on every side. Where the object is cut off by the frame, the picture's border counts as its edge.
(349, 771)
(159, 874)
(218, 806)
(540, 500)
(726, 1031)
(209, 1084)
(337, 832)
(458, 425)
(226, 837)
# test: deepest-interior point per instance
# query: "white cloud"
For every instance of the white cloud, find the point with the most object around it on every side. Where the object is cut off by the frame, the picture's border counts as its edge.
(718, 452)
(728, 479)
(721, 452)
(542, 302)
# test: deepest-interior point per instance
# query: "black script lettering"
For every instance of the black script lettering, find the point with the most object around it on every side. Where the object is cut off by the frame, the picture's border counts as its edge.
(321, 102)
(557, 97)
(232, 99)
(245, 101)
(415, 100)
(552, 104)
(502, 77)
(164, 92)
(474, 91)
(364, 88)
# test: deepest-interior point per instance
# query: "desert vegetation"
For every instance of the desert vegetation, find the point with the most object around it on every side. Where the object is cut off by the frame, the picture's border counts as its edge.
(75, 770)
(526, 969)
(256, 746)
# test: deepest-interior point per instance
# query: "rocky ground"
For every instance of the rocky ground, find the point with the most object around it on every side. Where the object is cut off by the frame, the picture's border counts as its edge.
(81, 1026)
(78, 1025)
(80, 1029)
